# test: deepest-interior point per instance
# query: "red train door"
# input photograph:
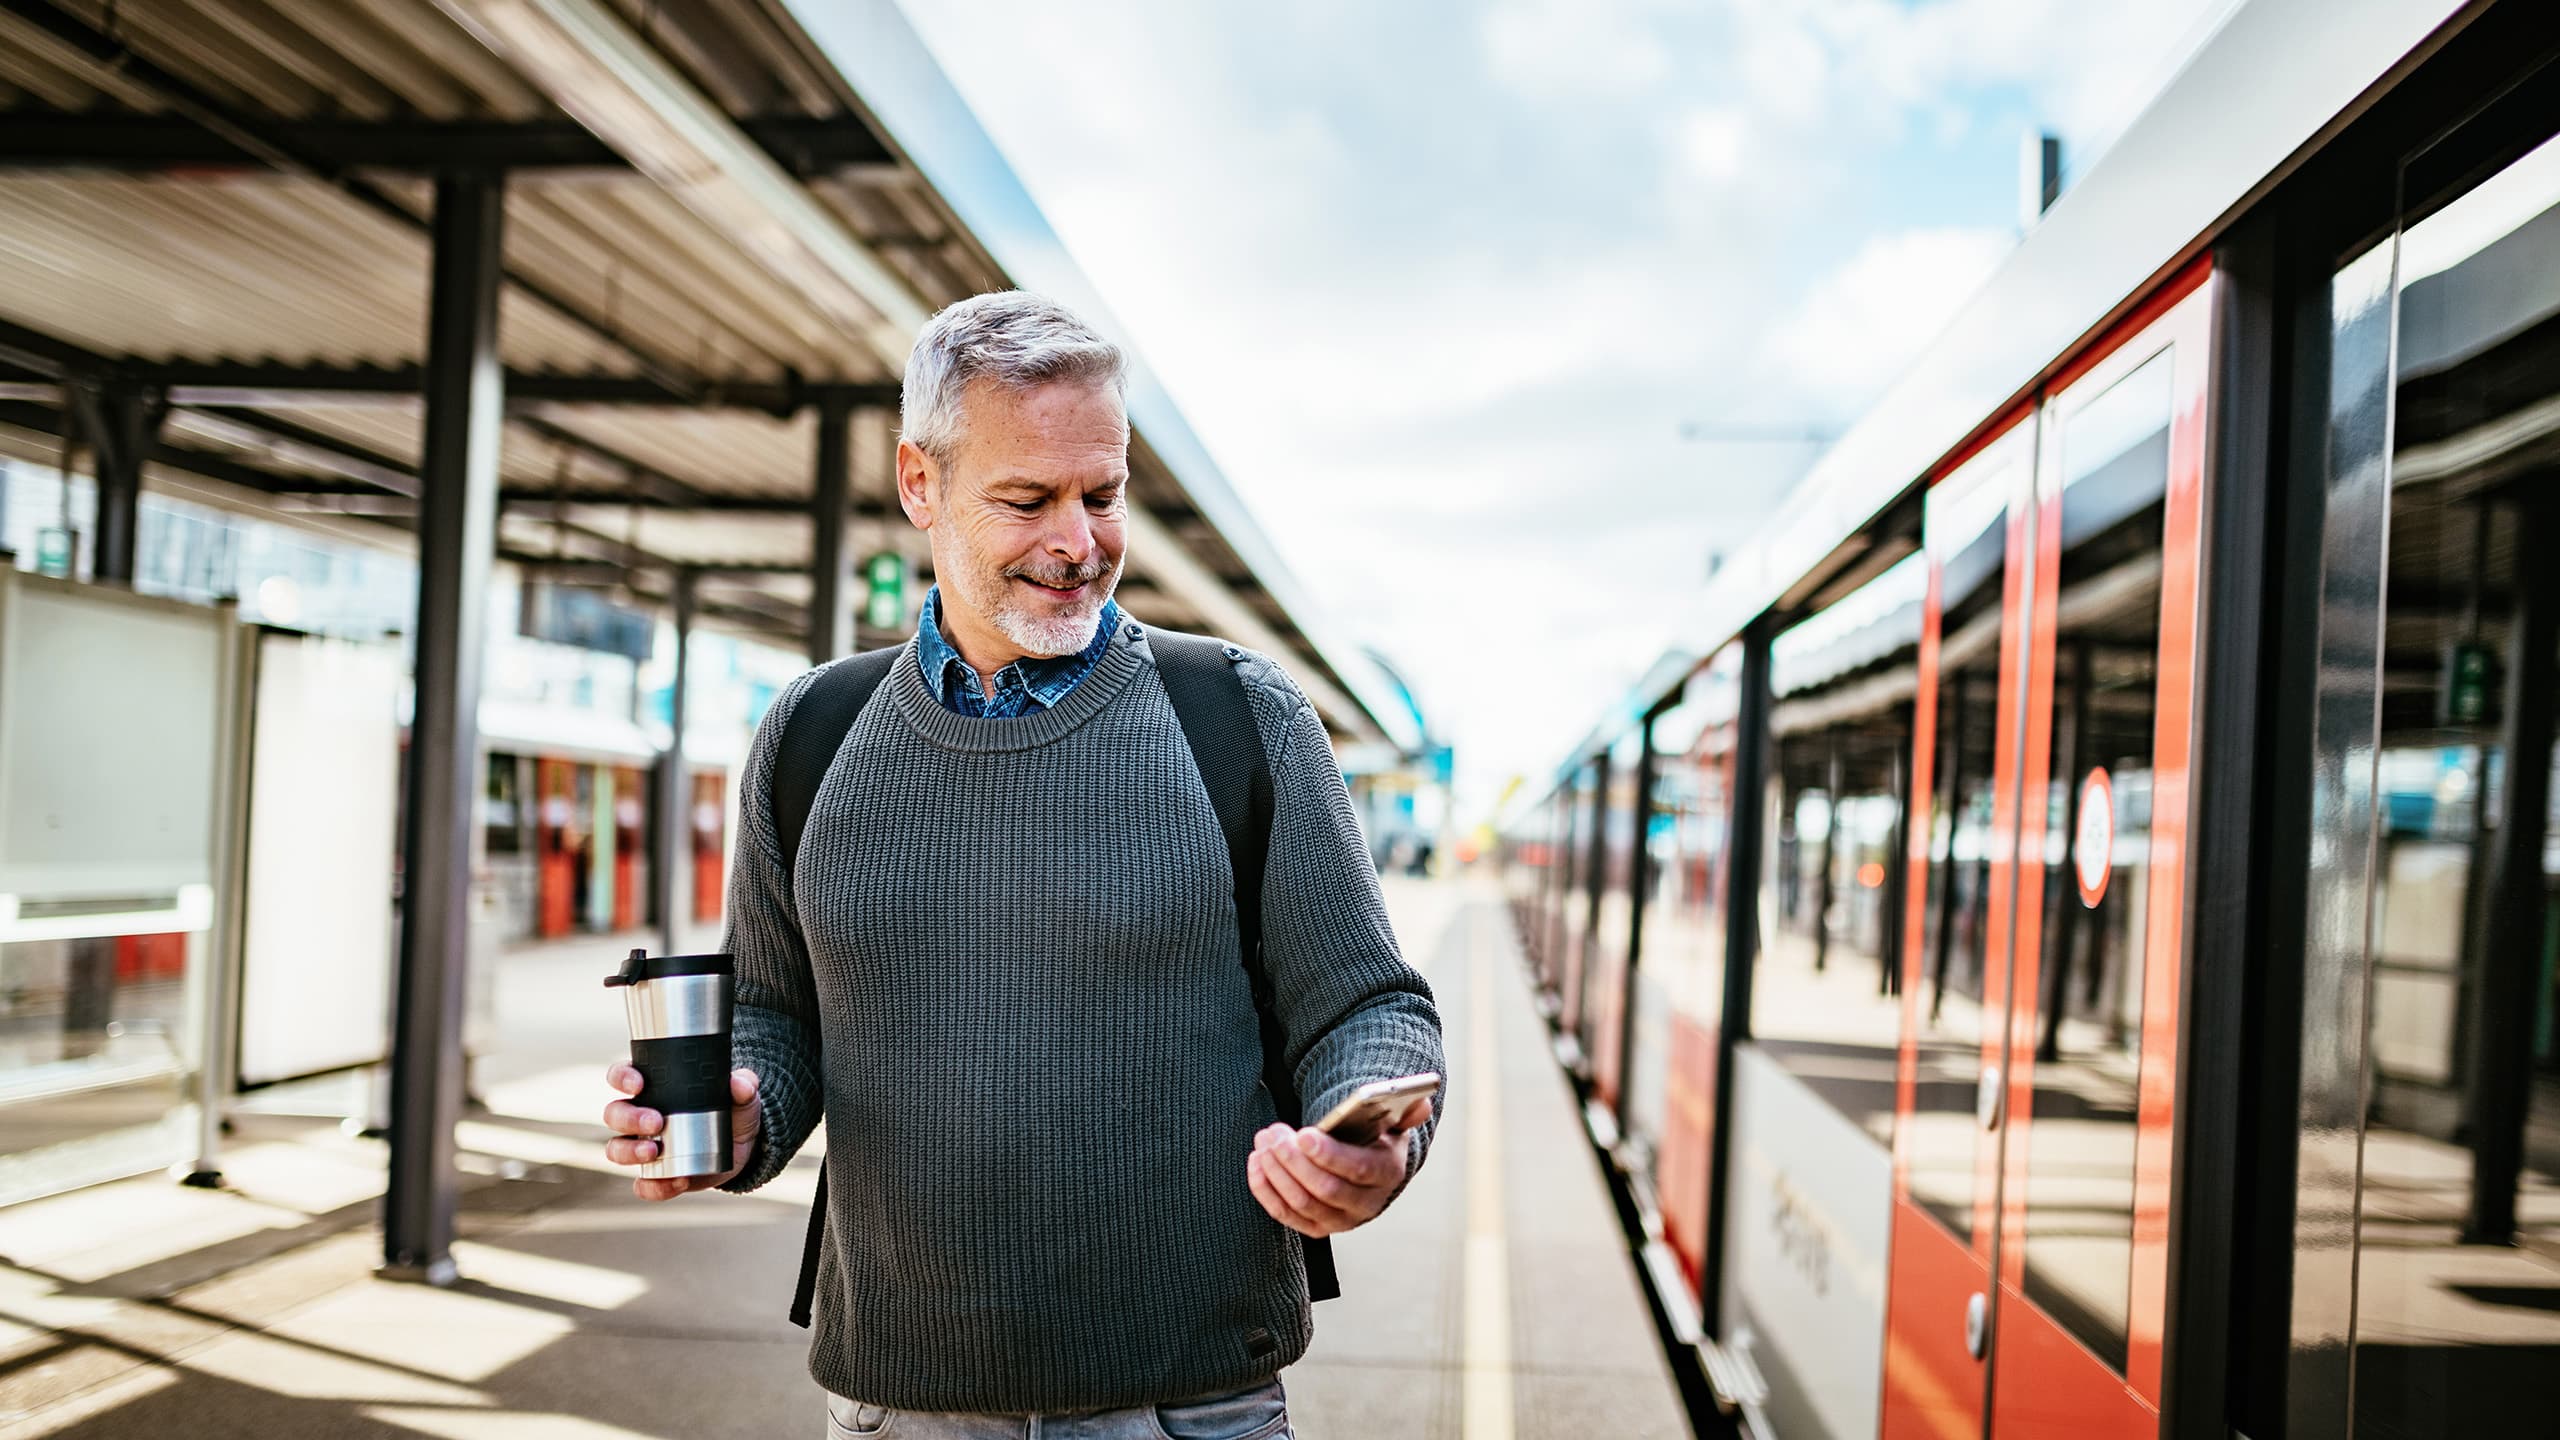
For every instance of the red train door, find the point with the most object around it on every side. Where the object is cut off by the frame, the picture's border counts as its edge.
(555, 880)
(630, 834)
(710, 851)
(2048, 1166)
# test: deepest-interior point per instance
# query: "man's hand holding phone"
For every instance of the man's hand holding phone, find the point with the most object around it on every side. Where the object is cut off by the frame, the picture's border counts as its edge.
(1339, 1173)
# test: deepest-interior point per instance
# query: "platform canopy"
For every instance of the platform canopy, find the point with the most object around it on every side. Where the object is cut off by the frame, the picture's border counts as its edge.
(214, 265)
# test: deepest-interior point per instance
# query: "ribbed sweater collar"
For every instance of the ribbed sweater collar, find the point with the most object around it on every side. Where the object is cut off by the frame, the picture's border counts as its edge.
(1121, 662)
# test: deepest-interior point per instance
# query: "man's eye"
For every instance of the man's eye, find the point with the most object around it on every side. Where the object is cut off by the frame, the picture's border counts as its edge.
(1102, 502)
(1026, 507)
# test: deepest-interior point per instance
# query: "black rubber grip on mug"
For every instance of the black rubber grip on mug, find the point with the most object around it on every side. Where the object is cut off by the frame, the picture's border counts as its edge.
(684, 1074)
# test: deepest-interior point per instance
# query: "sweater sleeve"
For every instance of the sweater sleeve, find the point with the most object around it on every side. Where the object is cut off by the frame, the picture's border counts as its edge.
(774, 1030)
(1354, 1011)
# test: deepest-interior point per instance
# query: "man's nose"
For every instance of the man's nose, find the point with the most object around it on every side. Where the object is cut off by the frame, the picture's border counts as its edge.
(1071, 537)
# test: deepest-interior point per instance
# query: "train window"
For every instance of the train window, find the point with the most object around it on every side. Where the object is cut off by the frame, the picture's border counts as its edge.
(2110, 459)
(1679, 984)
(1965, 533)
(1573, 904)
(2457, 1309)
(1605, 968)
(1825, 1000)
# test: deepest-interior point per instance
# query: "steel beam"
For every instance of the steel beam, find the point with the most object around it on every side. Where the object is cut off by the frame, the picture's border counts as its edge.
(803, 146)
(830, 559)
(675, 807)
(457, 538)
(223, 383)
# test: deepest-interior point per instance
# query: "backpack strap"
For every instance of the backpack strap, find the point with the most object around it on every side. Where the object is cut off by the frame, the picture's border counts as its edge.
(1216, 715)
(810, 740)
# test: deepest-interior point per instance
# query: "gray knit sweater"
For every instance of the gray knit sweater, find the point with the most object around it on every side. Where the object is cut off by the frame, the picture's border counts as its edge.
(1006, 969)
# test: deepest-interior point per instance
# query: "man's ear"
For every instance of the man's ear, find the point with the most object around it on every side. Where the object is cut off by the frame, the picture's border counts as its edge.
(919, 484)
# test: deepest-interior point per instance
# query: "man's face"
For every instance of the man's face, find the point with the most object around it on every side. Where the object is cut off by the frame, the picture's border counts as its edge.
(1028, 517)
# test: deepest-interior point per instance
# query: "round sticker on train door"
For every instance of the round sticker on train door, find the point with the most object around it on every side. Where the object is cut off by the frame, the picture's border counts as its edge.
(2093, 848)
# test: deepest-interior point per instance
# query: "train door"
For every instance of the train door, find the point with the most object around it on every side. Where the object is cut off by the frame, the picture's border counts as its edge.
(710, 817)
(630, 844)
(2031, 1242)
(1961, 855)
(556, 852)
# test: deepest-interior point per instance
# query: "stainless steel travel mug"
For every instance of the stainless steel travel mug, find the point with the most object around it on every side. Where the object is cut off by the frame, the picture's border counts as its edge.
(678, 1008)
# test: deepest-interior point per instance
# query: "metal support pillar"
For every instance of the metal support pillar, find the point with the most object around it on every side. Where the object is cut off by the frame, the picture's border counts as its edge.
(830, 559)
(1835, 779)
(675, 799)
(1744, 848)
(457, 530)
(122, 423)
(2503, 1011)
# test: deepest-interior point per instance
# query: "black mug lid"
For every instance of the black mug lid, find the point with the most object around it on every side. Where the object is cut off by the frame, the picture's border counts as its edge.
(641, 965)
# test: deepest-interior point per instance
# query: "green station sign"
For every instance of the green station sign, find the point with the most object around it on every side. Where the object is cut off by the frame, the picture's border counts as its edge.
(884, 603)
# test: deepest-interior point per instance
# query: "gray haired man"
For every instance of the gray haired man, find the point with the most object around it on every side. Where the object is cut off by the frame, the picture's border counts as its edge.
(1005, 968)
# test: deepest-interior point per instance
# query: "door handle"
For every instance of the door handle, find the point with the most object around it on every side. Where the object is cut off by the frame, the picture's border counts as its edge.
(1986, 1097)
(1977, 1324)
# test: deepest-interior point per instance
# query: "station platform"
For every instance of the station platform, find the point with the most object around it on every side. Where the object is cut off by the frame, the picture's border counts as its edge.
(1495, 1300)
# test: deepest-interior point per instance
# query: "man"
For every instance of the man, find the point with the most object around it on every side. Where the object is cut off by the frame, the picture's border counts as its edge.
(1006, 971)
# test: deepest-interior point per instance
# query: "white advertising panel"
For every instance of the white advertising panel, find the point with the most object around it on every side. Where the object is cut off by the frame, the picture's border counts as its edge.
(1812, 1213)
(324, 783)
(110, 712)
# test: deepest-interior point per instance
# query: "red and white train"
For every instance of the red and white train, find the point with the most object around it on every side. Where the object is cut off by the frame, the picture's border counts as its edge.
(2069, 947)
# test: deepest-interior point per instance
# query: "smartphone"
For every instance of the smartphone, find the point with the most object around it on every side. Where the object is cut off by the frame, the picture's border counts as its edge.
(1365, 1113)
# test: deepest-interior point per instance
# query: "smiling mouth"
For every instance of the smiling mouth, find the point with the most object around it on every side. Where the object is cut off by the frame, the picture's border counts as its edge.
(1055, 592)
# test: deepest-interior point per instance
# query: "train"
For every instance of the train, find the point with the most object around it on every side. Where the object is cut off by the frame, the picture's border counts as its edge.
(2065, 943)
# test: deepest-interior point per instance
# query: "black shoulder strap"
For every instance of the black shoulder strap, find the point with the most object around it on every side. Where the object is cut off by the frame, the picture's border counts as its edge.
(813, 735)
(1226, 745)
(810, 740)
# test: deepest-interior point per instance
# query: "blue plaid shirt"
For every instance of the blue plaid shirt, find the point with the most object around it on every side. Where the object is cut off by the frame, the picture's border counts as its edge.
(1026, 685)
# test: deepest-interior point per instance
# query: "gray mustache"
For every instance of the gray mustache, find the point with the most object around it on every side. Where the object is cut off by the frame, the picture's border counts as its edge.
(1060, 579)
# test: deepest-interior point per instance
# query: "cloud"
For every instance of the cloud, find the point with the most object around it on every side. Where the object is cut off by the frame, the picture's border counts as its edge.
(1573, 50)
(1439, 286)
(1866, 321)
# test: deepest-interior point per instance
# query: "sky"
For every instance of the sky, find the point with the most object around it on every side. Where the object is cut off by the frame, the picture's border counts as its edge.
(1474, 303)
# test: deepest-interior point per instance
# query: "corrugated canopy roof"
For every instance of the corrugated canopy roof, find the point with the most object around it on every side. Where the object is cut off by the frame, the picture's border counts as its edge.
(229, 200)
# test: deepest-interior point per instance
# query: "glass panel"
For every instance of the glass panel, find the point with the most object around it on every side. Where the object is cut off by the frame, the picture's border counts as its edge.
(1573, 904)
(1966, 538)
(2457, 1317)
(1679, 991)
(2113, 454)
(1826, 996)
(1605, 967)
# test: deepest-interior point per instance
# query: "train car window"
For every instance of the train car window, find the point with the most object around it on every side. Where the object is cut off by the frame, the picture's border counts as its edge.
(1826, 993)
(1679, 983)
(2113, 472)
(1606, 968)
(1573, 905)
(1965, 531)
(2457, 1311)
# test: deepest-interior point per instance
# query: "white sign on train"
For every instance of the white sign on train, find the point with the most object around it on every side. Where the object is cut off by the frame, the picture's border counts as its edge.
(1812, 1214)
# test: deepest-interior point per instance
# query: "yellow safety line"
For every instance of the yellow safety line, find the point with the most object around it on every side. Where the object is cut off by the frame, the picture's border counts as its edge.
(1487, 1396)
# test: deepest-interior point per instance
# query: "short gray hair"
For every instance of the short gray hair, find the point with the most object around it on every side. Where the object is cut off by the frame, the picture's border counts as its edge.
(1014, 338)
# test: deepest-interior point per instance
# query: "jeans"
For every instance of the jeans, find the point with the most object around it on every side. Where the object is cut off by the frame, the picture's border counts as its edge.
(1261, 1413)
